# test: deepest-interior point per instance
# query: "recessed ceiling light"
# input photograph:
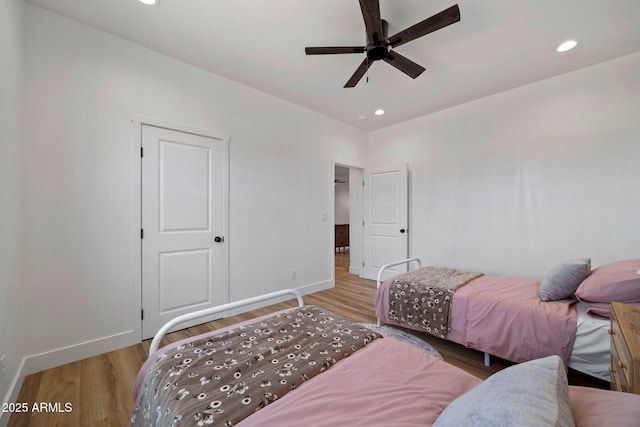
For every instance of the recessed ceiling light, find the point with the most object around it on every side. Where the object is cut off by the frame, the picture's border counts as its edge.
(379, 112)
(150, 2)
(362, 117)
(568, 45)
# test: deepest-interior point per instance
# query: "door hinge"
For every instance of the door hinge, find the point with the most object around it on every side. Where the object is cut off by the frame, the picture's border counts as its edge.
(363, 263)
(142, 314)
(141, 151)
(142, 233)
(363, 223)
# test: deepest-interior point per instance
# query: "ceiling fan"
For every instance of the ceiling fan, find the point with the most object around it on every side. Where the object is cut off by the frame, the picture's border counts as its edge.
(379, 45)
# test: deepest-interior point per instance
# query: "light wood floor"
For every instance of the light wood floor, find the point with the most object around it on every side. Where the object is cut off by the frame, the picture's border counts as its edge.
(100, 388)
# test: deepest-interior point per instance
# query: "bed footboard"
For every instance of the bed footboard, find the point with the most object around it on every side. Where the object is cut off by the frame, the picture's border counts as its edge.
(393, 264)
(407, 261)
(155, 344)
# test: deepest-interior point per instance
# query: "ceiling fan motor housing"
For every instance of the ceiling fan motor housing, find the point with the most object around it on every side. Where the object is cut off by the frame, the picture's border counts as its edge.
(378, 49)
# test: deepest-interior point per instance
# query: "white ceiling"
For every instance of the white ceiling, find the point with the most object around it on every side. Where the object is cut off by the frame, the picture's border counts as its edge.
(497, 45)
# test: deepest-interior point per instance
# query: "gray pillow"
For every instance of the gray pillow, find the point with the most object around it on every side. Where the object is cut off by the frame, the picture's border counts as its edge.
(530, 394)
(562, 280)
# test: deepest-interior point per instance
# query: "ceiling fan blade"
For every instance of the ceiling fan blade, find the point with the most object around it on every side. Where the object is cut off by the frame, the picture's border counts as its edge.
(440, 20)
(331, 50)
(403, 64)
(372, 22)
(362, 69)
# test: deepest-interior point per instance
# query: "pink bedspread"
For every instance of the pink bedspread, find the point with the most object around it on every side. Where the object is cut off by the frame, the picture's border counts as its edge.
(386, 383)
(504, 316)
(362, 391)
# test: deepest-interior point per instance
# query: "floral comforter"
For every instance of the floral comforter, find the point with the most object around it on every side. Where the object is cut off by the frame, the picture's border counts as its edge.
(221, 379)
(422, 297)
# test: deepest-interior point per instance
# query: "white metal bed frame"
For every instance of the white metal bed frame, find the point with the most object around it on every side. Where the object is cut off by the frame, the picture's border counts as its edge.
(155, 344)
(408, 261)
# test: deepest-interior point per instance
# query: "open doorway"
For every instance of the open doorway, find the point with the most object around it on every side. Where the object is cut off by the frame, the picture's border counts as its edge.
(342, 241)
(348, 198)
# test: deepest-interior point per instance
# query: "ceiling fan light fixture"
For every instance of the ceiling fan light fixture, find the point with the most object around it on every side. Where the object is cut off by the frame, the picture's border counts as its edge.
(150, 2)
(567, 45)
(379, 112)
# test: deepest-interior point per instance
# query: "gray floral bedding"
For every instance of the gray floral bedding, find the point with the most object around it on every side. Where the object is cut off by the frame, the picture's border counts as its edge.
(422, 297)
(221, 379)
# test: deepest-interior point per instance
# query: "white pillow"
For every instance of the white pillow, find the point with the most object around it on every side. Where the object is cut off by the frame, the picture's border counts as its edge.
(530, 394)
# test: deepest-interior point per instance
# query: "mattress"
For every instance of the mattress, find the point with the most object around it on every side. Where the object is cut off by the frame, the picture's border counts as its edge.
(591, 352)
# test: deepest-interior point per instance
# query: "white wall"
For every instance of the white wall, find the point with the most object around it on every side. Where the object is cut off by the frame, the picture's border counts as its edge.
(82, 87)
(342, 203)
(12, 327)
(517, 182)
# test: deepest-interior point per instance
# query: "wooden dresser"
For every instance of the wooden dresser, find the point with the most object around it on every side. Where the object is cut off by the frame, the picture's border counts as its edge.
(625, 348)
(342, 236)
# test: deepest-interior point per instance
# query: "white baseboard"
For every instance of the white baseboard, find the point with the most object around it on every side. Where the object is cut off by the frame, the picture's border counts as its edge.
(304, 290)
(316, 287)
(12, 392)
(354, 270)
(60, 356)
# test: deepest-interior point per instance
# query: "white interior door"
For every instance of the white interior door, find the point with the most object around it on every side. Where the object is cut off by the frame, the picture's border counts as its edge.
(385, 219)
(183, 224)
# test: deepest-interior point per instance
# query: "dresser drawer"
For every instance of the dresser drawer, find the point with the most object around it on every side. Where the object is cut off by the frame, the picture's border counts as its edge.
(620, 354)
(615, 383)
(625, 347)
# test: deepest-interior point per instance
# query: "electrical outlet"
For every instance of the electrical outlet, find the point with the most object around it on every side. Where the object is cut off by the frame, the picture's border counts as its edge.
(293, 274)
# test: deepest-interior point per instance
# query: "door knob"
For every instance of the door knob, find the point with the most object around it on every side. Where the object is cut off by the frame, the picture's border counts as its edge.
(402, 230)
(218, 239)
